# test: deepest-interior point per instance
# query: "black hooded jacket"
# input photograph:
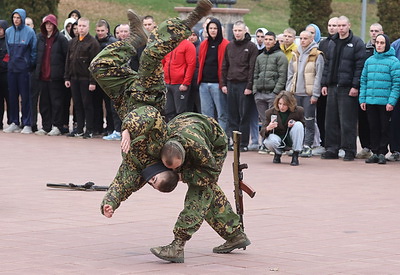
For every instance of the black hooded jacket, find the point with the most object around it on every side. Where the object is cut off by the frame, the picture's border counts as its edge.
(58, 52)
(3, 48)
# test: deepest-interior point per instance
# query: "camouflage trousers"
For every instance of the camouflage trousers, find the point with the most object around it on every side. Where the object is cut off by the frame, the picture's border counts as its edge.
(206, 203)
(127, 88)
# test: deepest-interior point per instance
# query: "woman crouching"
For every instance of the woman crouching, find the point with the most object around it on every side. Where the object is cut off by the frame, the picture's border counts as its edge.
(284, 127)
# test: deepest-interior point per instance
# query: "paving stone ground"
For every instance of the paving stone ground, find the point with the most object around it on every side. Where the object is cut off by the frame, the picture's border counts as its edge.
(322, 217)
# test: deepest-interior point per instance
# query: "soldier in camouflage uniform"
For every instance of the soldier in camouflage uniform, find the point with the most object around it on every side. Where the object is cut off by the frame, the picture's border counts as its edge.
(143, 130)
(146, 131)
(196, 149)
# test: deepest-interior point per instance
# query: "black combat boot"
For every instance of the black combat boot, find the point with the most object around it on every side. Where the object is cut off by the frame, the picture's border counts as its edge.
(202, 9)
(137, 36)
(295, 158)
(277, 158)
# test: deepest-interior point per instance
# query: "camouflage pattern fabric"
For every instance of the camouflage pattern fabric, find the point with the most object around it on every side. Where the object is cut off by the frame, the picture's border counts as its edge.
(206, 203)
(127, 88)
(147, 130)
(205, 144)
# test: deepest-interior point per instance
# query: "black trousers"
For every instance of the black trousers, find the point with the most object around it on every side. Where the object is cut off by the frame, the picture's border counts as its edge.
(4, 98)
(83, 104)
(363, 129)
(177, 101)
(98, 98)
(378, 119)
(395, 129)
(52, 96)
(341, 120)
(239, 110)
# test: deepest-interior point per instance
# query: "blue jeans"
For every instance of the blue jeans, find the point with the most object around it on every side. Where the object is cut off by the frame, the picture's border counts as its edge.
(214, 103)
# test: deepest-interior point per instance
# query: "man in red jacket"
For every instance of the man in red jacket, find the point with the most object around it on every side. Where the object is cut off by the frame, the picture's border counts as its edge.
(179, 66)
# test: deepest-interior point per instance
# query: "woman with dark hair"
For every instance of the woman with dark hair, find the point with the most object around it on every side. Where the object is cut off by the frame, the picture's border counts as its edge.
(379, 92)
(284, 127)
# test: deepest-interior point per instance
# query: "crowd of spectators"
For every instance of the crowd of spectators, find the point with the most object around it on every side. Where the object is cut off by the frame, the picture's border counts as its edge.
(340, 88)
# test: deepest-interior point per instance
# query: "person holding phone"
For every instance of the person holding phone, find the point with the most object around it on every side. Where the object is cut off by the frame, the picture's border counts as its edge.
(284, 127)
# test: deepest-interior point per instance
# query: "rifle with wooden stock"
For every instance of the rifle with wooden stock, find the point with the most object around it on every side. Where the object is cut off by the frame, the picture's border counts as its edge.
(240, 186)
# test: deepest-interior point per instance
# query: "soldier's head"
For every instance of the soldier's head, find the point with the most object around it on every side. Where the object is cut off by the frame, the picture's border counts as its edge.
(173, 154)
(160, 177)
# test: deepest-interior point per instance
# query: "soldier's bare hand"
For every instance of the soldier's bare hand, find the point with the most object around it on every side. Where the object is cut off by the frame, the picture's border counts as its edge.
(108, 211)
(125, 141)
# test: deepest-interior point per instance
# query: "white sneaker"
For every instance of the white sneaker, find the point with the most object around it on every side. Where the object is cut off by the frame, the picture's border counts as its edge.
(341, 153)
(41, 132)
(253, 147)
(317, 151)
(54, 131)
(13, 128)
(27, 130)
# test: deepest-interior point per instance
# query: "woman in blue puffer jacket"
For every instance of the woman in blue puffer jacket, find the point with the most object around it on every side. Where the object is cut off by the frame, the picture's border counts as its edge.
(379, 92)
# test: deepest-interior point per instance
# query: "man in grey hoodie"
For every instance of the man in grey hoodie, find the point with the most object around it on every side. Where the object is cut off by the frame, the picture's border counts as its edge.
(304, 80)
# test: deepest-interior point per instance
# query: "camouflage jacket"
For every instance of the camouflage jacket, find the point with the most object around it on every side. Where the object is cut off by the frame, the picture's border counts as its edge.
(205, 143)
(147, 130)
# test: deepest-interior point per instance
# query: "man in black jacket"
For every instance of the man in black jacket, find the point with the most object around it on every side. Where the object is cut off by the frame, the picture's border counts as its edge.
(52, 51)
(237, 81)
(341, 82)
(81, 50)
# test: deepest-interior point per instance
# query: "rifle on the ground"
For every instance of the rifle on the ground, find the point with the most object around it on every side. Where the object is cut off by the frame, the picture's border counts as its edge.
(89, 186)
(238, 177)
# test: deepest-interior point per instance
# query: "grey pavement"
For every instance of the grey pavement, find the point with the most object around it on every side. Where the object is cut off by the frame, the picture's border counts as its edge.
(322, 217)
